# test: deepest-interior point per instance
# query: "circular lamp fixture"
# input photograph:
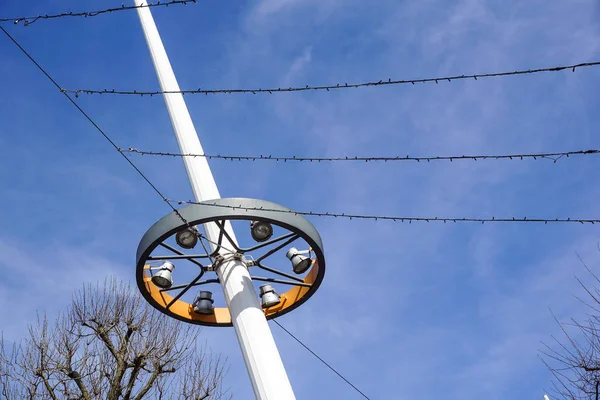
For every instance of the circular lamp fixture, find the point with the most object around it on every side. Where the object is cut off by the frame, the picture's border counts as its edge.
(187, 238)
(156, 284)
(261, 231)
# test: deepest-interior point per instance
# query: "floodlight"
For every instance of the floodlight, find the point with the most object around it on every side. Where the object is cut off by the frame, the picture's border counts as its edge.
(269, 296)
(261, 231)
(204, 303)
(300, 263)
(164, 278)
(187, 238)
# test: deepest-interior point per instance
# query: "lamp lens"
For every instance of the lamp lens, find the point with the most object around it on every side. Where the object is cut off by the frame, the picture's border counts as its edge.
(261, 231)
(161, 281)
(186, 238)
(301, 264)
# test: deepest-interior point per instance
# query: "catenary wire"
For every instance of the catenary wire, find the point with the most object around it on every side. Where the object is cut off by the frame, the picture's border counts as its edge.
(95, 125)
(319, 358)
(552, 156)
(30, 20)
(309, 213)
(396, 218)
(389, 81)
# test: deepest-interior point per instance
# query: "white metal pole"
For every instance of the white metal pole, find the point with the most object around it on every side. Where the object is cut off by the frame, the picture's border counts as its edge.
(266, 370)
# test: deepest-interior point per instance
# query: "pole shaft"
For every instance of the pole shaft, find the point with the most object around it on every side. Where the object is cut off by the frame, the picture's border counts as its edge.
(265, 368)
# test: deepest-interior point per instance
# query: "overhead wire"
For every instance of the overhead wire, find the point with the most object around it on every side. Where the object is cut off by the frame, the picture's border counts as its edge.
(307, 213)
(305, 88)
(30, 20)
(112, 143)
(319, 358)
(394, 218)
(517, 156)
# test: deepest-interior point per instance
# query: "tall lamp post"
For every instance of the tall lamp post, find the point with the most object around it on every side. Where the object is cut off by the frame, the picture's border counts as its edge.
(230, 262)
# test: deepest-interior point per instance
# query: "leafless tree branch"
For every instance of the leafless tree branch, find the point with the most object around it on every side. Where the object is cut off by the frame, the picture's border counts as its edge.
(110, 344)
(574, 361)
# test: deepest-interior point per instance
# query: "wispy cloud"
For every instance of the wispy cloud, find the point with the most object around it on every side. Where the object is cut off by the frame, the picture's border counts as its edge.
(37, 276)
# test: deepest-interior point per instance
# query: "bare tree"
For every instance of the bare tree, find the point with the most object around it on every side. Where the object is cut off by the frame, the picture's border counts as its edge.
(575, 360)
(110, 344)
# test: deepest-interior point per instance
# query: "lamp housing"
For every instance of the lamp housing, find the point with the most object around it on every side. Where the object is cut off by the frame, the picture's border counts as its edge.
(269, 296)
(204, 303)
(300, 263)
(164, 278)
(261, 231)
(187, 238)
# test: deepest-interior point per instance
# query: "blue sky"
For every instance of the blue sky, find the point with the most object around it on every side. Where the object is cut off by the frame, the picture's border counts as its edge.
(406, 311)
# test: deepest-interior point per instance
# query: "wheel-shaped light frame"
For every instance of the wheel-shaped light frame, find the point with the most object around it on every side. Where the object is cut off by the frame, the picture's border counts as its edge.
(218, 211)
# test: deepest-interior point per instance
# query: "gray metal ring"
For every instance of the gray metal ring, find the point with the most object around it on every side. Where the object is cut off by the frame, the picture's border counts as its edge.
(228, 209)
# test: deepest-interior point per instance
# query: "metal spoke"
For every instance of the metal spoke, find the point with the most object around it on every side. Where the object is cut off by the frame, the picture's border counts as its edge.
(185, 289)
(178, 257)
(231, 241)
(258, 278)
(219, 243)
(221, 225)
(210, 257)
(279, 273)
(174, 250)
(259, 246)
(195, 284)
(276, 249)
